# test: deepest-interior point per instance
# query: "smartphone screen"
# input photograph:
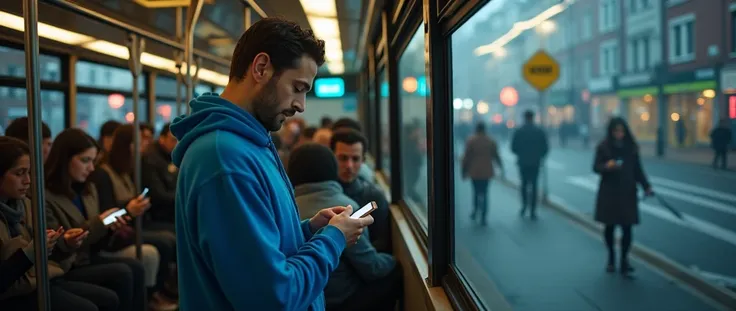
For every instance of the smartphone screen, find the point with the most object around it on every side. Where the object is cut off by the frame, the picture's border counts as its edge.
(365, 210)
(144, 193)
(110, 219)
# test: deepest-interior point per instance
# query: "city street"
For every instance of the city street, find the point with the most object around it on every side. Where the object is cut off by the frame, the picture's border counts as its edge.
(705, 240)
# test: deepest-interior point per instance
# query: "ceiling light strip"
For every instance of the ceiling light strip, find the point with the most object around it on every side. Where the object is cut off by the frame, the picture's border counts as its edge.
(104, 47)
(322, 18)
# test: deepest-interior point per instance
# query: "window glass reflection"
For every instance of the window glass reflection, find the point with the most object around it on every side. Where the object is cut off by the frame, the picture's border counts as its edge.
(385, 141)
(165, 113)
(166, 86)
(13, 105)
(413, 90)
(93, 110)
(555, 104)
(106, 77)
(12, 64)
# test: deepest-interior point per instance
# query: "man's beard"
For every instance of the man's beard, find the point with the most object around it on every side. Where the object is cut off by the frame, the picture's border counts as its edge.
(266, 105)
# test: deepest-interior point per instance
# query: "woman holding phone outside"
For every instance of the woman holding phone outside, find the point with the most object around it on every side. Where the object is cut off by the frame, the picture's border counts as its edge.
(114, 182)
(71, 202)
(617, 161)
(17, 253)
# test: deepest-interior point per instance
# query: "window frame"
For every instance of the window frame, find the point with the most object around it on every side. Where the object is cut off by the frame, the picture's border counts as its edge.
(679, 23)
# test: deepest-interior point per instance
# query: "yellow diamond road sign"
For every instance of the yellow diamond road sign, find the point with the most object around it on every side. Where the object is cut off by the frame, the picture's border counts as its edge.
(541, 71)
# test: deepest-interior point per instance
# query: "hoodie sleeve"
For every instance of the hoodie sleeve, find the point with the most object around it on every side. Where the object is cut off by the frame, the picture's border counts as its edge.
(240, 239)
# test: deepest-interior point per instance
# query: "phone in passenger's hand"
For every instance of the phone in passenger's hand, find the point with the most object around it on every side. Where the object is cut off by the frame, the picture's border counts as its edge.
(144, 193)
(114, 216)
(365, 210)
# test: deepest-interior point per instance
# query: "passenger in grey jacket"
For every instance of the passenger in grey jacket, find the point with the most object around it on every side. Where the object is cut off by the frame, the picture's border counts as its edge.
(365, 279)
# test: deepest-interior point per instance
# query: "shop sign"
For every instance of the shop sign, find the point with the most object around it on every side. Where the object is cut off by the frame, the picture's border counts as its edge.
(636, 79)
(600, 85)
(728, 80)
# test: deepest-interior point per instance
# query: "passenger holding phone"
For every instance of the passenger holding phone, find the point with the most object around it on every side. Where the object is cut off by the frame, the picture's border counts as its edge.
(617, 161)
(71, 202)
(365, 279)
(17, 252)
(241, 244)
(114, 182)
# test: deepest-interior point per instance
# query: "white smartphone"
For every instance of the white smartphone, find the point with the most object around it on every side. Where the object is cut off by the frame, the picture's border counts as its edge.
(365, 210)
(144, 193)
(113, 217)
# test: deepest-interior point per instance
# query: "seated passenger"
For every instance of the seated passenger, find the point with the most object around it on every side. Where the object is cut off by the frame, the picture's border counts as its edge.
(17, 251)
(349, 147)
(366, 173)
(365, 279)
(159, 175)
(115, 187)
(18, 128)
(71, 202)
(105, 138)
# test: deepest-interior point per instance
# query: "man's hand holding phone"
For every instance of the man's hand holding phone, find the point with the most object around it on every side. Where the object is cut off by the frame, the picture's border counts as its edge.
(352, 228)
(322, 218)
(75, 237)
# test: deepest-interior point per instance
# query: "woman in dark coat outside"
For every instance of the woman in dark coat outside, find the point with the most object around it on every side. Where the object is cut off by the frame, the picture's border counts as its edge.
(617, 161)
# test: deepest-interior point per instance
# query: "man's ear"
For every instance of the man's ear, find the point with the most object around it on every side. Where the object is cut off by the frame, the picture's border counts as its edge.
(261, 69)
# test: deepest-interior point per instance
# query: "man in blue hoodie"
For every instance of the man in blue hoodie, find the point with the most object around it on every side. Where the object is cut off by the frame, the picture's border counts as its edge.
(241, 243)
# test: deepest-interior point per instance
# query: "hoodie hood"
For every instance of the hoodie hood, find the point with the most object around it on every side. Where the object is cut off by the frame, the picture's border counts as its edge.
(211, 112)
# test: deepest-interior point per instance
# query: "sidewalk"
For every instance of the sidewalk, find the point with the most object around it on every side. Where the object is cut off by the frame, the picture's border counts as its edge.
(551, 264)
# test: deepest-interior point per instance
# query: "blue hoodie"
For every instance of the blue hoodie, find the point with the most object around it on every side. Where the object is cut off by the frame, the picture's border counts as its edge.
(241, 245)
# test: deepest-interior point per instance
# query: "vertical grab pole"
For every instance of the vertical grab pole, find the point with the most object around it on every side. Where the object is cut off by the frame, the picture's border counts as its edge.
(178, 58)
(135, 49)
(33, 89)
(195, 8)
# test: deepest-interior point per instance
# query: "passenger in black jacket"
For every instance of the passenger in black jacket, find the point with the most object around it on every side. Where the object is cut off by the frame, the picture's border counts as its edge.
(530, 146)
(349, 147)
(617, 161)
(159, 175)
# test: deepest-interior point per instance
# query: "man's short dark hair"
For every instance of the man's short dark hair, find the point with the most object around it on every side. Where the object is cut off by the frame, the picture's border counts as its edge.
(528, 116)
(18, 128)
(145, 127)
(284, 41)
(309, 132)
(326, 122)
(165, 130)
(349, 137)
(348, 123)
(108, 128)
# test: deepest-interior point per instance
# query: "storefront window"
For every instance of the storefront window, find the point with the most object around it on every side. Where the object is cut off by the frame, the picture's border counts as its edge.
(643, 117)
(93, 110)
(385, 141)
(413, 90)
(690, 119)
(14, 106)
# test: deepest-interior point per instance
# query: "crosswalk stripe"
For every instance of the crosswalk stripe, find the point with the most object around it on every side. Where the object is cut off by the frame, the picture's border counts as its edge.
(686, 197)
(688, 220)
(694, 189)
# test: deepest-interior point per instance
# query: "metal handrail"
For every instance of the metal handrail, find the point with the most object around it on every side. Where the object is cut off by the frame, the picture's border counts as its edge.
(33, 89)
(80, 10)
(253, 5)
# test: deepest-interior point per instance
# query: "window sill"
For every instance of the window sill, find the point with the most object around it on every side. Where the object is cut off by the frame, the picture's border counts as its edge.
(417, 293)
